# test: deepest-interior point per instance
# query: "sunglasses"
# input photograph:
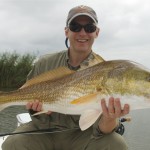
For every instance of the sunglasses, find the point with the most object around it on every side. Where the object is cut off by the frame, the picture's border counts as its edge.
(88, 28)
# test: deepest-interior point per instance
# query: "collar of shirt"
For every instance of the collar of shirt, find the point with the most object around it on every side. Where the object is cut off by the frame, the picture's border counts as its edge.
(83, 63)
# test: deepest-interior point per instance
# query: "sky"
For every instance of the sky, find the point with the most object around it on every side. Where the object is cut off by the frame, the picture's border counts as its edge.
(37, 26)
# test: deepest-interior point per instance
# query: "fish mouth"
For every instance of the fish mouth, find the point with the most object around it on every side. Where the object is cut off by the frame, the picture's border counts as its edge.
(147, 96)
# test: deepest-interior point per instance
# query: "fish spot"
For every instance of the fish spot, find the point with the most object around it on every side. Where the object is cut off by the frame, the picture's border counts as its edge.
(98, 89)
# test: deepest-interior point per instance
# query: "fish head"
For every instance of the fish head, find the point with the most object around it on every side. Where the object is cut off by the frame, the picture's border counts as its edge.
(128, 78)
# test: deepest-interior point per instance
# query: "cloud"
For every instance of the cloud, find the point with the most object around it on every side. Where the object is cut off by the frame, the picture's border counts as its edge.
(38, 25)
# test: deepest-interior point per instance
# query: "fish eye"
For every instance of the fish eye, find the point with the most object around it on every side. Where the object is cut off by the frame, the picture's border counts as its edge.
(148, 79)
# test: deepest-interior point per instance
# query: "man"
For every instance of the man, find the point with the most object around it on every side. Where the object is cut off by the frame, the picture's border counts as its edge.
(81, 30)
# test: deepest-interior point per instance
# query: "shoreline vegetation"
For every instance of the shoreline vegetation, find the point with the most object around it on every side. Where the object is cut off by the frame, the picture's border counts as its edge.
(14, 69)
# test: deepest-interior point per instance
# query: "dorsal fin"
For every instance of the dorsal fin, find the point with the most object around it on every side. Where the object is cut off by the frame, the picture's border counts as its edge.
(49, 75)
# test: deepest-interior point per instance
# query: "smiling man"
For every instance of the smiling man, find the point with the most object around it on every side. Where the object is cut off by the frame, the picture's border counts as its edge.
(81, 30)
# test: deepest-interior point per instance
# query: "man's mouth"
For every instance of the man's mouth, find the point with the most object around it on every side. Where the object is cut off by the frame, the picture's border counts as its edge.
(82, 40)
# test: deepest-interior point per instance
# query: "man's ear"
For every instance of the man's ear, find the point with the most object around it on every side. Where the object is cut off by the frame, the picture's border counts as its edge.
(97, 32)
(66, 31)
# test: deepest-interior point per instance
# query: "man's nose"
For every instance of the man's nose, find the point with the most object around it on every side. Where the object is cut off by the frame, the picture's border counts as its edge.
(82, 32)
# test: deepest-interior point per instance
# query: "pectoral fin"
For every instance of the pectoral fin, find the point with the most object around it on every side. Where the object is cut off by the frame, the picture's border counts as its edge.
(86, 98)
(88, 118)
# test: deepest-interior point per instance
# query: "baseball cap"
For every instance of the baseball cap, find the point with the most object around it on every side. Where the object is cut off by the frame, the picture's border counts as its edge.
(79, 11)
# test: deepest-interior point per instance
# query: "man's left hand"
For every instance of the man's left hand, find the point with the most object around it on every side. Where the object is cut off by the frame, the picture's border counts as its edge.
(111, 113)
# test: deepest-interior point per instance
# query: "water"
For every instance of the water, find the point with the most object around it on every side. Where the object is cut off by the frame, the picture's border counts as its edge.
(137, 132)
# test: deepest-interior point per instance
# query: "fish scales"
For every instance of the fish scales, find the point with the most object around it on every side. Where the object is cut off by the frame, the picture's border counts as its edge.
(80, 82)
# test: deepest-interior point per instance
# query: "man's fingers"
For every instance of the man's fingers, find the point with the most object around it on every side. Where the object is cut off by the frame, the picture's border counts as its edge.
(104, 107)
(111, 108)
(117, 106)
(126, 109)
(114, 109)
(29, 105)
(39, 107)
(35, 106)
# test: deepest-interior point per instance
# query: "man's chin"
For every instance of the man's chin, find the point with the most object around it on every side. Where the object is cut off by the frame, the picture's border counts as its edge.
(83, 49)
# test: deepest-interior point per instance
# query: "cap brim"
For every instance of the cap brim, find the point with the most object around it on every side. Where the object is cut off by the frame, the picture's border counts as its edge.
(82, 14)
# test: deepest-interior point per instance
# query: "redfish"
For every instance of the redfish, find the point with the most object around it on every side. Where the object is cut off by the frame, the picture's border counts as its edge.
(79, 92)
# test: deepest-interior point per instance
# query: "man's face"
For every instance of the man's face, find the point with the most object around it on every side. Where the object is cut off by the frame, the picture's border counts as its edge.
(81, 41)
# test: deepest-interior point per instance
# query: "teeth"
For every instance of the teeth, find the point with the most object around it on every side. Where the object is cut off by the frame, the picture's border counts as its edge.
(82, 40)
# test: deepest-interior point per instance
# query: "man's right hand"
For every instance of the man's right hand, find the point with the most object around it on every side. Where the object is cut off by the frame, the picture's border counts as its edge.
(36, 106)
